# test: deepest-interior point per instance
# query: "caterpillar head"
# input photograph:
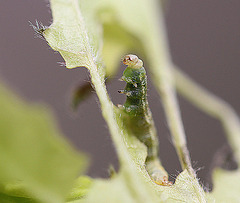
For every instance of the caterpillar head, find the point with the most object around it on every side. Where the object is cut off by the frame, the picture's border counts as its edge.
(132, 61)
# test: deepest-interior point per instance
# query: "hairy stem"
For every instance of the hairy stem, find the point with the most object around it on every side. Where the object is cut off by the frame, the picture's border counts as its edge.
(213, 106)
(165, 87)
(160, 63)
(157, 53)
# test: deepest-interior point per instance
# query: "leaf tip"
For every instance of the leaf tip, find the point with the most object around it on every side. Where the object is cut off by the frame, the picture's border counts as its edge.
(38, 28)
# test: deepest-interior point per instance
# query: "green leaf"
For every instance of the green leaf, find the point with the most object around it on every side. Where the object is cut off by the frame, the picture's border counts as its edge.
(226, 186)
(61, 16)
(77, 43)
(185, 189)
(132, 183)
(35, 159)
(81, 188)
(76, 34)
(123, 187)
(12, 199)
(117, 42)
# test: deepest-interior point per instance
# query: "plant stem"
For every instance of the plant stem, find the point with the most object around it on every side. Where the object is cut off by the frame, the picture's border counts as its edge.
(157, 52)
(212, 105)
(158, 56)
(164, 85)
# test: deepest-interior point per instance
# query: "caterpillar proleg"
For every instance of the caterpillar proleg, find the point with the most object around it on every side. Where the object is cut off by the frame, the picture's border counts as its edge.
(140, 121)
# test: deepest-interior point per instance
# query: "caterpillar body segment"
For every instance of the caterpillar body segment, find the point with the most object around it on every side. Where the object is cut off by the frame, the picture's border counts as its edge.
(157, 173)
(139, 118)
(136, 104)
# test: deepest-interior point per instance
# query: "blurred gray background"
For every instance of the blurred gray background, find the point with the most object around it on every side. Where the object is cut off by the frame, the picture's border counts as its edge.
(204, 38)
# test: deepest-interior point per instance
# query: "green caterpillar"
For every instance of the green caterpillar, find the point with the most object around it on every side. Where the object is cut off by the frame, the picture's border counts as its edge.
(139, 117)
